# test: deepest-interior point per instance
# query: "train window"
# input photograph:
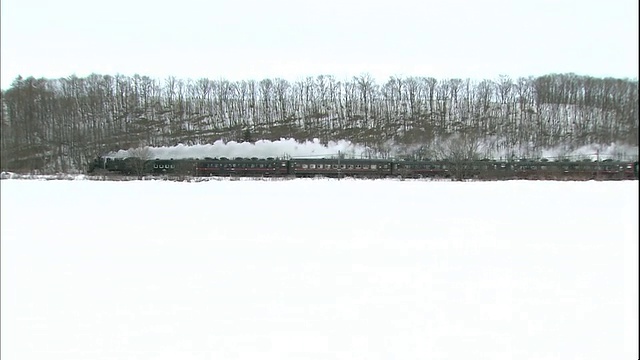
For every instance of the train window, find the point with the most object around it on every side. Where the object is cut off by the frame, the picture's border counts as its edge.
(173, 166)
(283, 164)
(343, 166)
(350, 166)
(312, 166)
(358, 166)
(373, 166)
(305, 166)
(335, 166)
(386, 166)
(155, 166)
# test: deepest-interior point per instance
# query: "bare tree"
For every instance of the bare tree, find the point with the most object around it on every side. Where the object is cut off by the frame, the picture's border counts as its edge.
(138, 159)
(460, 150)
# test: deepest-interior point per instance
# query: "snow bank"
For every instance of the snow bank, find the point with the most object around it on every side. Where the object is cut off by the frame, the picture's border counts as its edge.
(6, 175)
(325, 270)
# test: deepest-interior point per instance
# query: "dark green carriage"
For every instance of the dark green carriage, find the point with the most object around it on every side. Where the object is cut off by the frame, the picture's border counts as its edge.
(422, 168)
(252, 167)
(365, 168)
(160, 167)
(182, 167)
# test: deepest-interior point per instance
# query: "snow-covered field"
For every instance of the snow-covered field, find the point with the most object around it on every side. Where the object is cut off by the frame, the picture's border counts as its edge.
(319, 269)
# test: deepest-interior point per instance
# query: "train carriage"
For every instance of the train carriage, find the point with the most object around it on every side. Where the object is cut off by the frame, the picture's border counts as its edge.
(367, 168)
(161, 166)
(422, 169)
(241, 167)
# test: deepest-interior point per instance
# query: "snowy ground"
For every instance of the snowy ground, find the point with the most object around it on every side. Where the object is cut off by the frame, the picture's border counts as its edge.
(319, 269)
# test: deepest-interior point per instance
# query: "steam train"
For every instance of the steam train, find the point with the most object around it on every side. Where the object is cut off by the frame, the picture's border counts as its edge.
(370, 168)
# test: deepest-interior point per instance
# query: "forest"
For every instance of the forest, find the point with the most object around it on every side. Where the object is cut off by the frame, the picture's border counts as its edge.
(60, 125)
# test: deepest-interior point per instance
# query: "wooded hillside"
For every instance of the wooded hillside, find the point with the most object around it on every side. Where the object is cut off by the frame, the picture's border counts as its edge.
(51, 125)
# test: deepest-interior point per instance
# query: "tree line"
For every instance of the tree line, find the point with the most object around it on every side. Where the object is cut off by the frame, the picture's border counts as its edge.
(61, 124)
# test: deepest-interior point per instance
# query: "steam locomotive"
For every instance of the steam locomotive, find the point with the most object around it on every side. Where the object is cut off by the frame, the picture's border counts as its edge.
(370, 168)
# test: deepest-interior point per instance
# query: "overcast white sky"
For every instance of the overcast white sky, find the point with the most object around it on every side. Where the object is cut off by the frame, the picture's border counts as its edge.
(254, 39)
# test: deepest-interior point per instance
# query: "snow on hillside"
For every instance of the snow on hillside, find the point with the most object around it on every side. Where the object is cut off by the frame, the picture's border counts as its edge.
(292, 148)
(319, 269)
